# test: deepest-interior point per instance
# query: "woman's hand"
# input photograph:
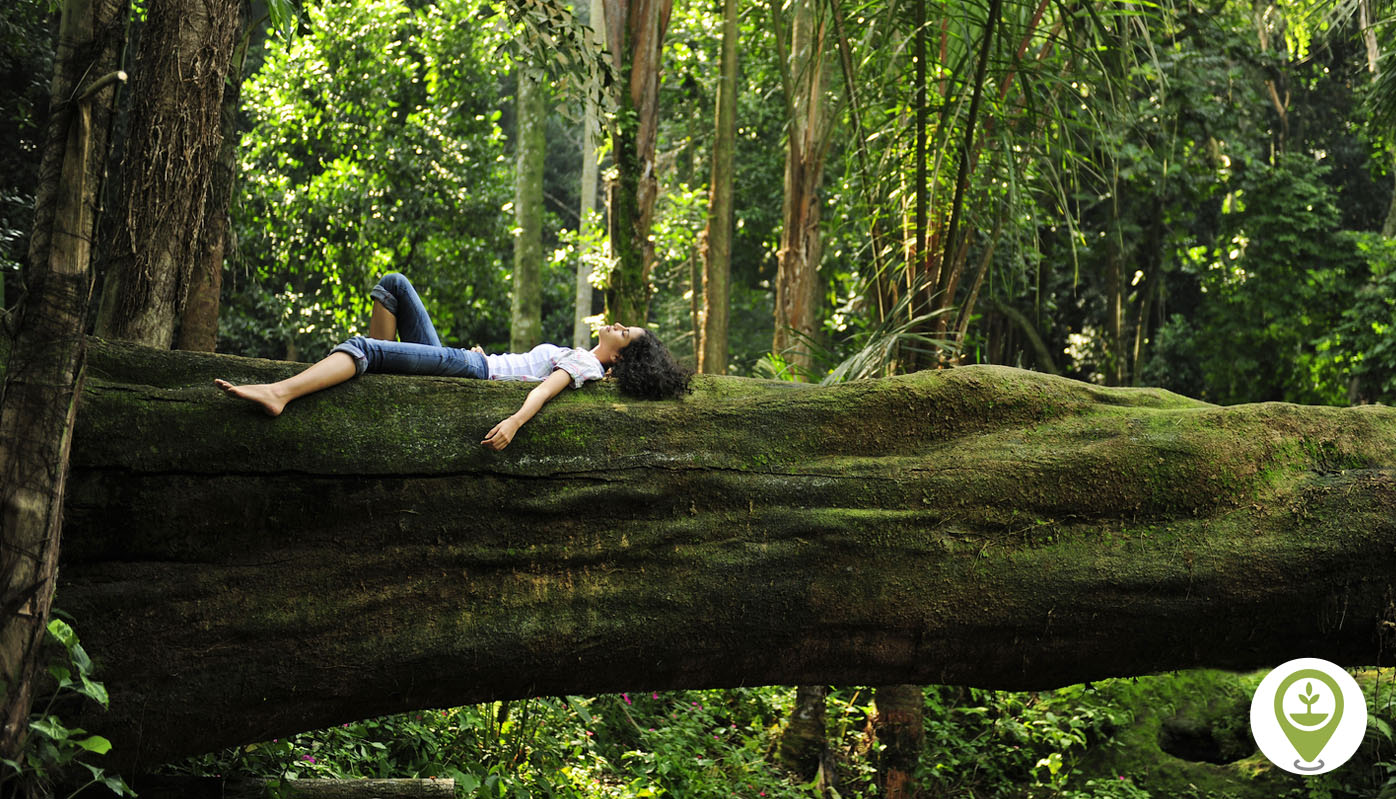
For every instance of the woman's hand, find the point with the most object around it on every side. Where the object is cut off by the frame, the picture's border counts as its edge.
(501, 434)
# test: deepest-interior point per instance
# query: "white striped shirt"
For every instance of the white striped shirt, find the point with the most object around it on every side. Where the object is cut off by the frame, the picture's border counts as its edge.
(535, 365)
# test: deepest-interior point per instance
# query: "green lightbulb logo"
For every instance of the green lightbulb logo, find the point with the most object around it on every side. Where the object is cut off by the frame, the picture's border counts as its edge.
(1309, 731)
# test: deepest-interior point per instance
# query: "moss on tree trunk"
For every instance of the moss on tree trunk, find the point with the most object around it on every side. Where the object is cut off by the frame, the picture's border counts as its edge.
(238, 577)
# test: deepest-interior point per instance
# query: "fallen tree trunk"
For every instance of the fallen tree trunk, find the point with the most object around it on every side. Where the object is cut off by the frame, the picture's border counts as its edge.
(238, 578)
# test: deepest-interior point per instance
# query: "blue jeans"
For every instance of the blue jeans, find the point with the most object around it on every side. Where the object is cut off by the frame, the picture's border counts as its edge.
(420, 351)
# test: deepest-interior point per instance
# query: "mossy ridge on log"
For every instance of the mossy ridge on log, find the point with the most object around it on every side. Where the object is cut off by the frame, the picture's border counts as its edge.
(1067, 446)
(250, 577)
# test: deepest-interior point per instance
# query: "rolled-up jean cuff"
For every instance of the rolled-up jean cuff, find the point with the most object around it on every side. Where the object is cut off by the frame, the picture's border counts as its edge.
(386, 297)
(360, 359)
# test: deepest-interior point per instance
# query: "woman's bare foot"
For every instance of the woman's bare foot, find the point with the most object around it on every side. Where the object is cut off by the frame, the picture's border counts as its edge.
(262, 394)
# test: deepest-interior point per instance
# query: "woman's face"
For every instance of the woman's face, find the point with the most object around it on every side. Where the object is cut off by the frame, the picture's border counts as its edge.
(619, 336)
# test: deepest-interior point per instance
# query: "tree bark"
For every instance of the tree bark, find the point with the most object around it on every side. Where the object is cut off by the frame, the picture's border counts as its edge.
(635, 32)
(198, 326)
(238, 578)
(717, 265)
(526, 306)
(804, 741)
(38, 401)
(801, 247)
(176, 134)
(901, 730)
(581, 331)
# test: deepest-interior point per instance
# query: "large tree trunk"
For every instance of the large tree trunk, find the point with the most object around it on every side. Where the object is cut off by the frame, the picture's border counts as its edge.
(198, 327)
(176, 133)
(581, 330)
(635, 33)
(526, 306)
(238, 577)
(801, 248)
(38, 401)
(711, 351)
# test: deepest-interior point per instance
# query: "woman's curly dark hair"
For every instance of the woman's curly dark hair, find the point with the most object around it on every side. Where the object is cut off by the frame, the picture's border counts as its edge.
(645, 369)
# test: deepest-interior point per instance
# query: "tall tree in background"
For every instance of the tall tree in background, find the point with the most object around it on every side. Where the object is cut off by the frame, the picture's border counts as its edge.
(717, 264)
(900, 729)
(634, 31)
(804, 746)
(44, 370)
(808, 127)
(198, 326)
(526, 308)
(581, 331)
(176, 135)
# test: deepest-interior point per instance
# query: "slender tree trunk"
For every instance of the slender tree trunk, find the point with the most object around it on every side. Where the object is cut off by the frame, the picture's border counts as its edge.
(526, 308)
(882, 285)
(176, 135)
(1114, 302)
(38, 402)
(198, 327)
(1264, 13)
(717, 266)
(635, 31)
(581, 331)
(804, 742)
(923, 118)
(801, 247)
(1151, 263)
(985, 261)
(900, 728)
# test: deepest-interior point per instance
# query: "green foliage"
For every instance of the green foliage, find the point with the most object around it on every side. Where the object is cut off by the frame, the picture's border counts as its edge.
(1092, 741)
(283, 17)
(375, 146)
(550, 40)
(1000, 743)
(1275, 285)
(680, 216)
(54, 751)
(26, 65)
(627, 746)
(1365, 333)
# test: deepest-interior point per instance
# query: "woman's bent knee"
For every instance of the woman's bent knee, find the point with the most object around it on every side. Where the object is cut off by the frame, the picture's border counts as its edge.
(390, 288)
(357, 348)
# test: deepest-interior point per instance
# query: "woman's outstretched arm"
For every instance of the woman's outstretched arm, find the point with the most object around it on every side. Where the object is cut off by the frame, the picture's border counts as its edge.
(501, 434)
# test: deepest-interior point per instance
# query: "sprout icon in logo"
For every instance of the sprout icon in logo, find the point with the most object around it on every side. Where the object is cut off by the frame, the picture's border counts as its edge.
(1308, 716)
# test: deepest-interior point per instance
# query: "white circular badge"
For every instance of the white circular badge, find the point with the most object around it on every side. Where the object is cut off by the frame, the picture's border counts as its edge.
(1308, 716)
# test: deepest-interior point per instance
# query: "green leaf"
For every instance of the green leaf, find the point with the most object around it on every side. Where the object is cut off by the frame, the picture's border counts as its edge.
(51, 727)
(62, 675)
(94, 690)
(117, 785)
(63, 633)
(94, 743)
(575, 702)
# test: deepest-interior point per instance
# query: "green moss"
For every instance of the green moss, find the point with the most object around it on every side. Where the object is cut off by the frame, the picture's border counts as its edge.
(1212, 705)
